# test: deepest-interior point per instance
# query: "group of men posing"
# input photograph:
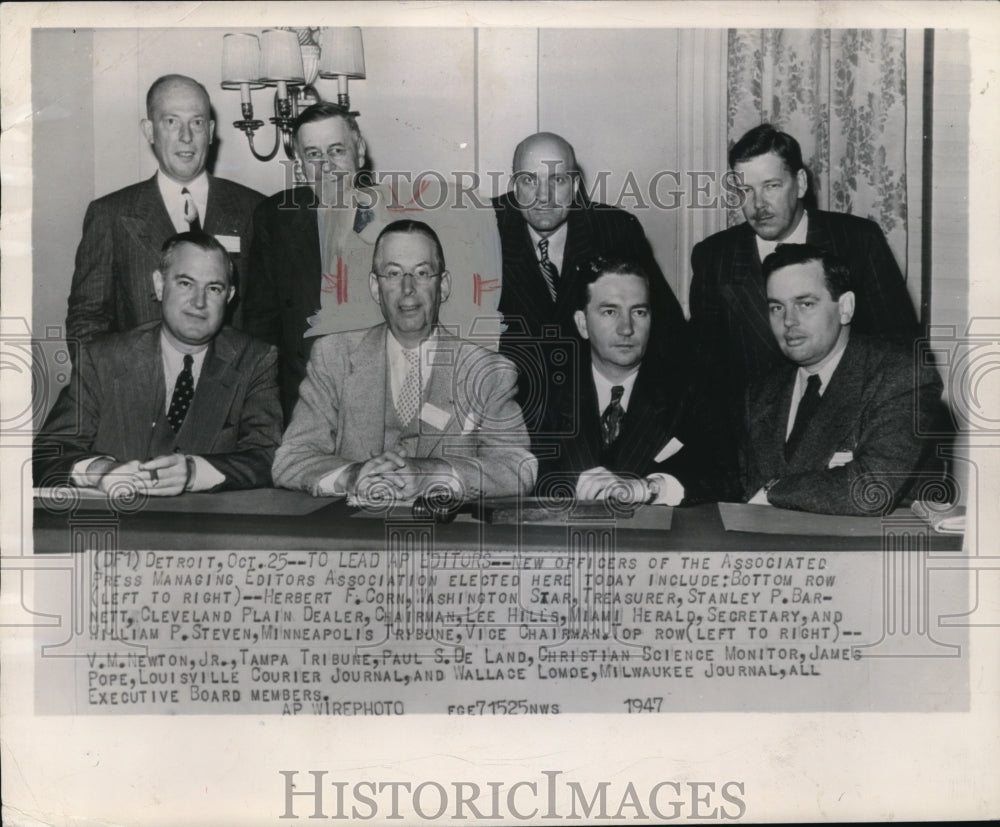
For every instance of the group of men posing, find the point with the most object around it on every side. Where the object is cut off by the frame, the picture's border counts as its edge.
(794, 384)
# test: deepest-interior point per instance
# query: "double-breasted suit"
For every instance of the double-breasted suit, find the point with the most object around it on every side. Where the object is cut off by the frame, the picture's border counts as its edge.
(868, 441)
(115, 406)
(123, 232)
(467, 416)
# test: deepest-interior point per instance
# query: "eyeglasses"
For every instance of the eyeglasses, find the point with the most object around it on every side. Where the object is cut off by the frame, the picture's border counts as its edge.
(395, 275)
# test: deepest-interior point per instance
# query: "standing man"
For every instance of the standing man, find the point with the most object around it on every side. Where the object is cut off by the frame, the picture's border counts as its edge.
(840, 427)
(734, 346)
(632, 432)
(183, 404)
(548, 228)
(405, 404)
(313, 245)
(123, 232)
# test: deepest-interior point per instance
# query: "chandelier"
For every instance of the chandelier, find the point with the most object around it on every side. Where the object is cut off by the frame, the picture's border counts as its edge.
(289, 59)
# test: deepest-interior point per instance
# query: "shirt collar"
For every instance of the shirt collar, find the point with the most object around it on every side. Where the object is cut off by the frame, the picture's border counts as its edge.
(169, 188)
(797, 236)
(604, 385)
(824, 369)
(557, 242)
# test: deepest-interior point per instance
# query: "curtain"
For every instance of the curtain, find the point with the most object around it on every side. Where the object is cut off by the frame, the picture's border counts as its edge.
(842, 94)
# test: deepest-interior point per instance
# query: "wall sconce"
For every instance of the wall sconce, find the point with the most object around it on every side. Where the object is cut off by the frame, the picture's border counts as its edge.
(290, 60)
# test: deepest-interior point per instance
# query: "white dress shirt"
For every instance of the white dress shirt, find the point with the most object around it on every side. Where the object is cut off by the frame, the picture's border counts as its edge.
(174, 200)
(824, 370)
(557, 244)
(797, 236)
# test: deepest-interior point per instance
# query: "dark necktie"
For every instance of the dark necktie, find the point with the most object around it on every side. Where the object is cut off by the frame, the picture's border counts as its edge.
(363, 216)
(807, 407)
(549, 271)
(183, 391)
(611, 419)
(191, 212)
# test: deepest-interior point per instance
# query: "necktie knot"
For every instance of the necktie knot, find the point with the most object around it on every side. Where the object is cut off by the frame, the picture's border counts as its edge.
(617, 391)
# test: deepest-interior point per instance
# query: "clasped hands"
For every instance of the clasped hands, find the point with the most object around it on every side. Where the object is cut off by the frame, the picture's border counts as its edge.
(408, 477)
(163, 476)
(601, 484)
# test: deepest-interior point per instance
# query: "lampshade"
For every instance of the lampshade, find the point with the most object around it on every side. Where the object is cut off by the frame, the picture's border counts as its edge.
(281, 57)
(240, 61)
(342, 53)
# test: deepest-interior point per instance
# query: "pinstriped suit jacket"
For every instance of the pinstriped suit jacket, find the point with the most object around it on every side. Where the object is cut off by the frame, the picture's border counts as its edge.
(734, 345)
(117, 392)
(660, 410)
(876, 407)
(593, 229)
(112, 288)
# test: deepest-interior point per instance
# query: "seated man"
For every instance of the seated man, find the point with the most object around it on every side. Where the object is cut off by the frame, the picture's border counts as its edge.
(179, 405)
(636, 433)
(838, 429)
(403, 407)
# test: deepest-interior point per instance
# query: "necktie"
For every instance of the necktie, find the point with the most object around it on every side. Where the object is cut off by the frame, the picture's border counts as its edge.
(807, 407)
(362, 218)
(183, 391)
(611, 419)
(191, 211)
(549, 271)
(409, 394)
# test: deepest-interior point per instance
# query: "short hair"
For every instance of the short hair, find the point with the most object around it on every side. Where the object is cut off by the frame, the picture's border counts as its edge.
(836, 273)
(167, 80)
(764, 139)
(322, 111)
(592, 269)
(408, 225)
(201, 240)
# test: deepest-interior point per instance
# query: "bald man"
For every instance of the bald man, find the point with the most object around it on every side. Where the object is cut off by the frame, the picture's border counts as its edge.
(123, 232)
(548, 228)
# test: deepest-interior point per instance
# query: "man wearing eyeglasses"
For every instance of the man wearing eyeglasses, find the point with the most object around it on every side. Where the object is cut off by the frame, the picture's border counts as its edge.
(403, 408)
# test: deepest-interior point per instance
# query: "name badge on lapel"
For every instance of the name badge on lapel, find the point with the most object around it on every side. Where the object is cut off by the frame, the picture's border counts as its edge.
(434, 416)
(230, 242)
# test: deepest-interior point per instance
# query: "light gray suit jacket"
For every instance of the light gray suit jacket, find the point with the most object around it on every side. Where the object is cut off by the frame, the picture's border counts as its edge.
(340, 416)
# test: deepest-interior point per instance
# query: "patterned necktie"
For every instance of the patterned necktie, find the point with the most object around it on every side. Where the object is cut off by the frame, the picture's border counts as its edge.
(611, 419)
(807, 407)
(549, 271)
(362, 218)
(409, 394)
(183, 391)
(191, 211)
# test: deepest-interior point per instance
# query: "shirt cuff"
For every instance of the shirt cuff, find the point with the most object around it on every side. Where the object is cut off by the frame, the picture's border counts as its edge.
(327, 486)
(206, 475)
(78, 476)
(671, 490)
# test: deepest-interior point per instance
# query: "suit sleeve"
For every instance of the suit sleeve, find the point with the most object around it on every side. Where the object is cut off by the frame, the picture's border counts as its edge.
(888, 453)
(70, 430)
(249, 466)
(261, 310)
(308, 449)
(92, 309)
(494, 460)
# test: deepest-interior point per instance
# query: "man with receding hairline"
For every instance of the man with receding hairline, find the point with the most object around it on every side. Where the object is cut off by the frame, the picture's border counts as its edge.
(548, 228)
(123, 231)
(181, 404)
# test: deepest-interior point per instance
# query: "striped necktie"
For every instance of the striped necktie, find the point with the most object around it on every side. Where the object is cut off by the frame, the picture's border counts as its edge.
(549, 271)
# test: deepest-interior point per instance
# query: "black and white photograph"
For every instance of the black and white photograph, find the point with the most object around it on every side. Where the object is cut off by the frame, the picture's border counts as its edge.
(499, 412)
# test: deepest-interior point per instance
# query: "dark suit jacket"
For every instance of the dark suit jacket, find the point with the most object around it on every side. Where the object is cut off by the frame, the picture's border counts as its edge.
(118, 390)
(875, 397)
(283, 287)
(733, 342)
(123, 232)
(660, 412)
(527, 307)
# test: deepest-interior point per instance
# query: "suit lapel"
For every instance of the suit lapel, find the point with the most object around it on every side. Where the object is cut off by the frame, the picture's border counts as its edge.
(767, 431)
(647, 422)
(148, 221)
(221, 212)
(305, 258)
(364, 399)
(213, 397)
(579, 248)
(745, 289)
(139, 393)
(835, 415)
(818, 232)
(440, 394)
